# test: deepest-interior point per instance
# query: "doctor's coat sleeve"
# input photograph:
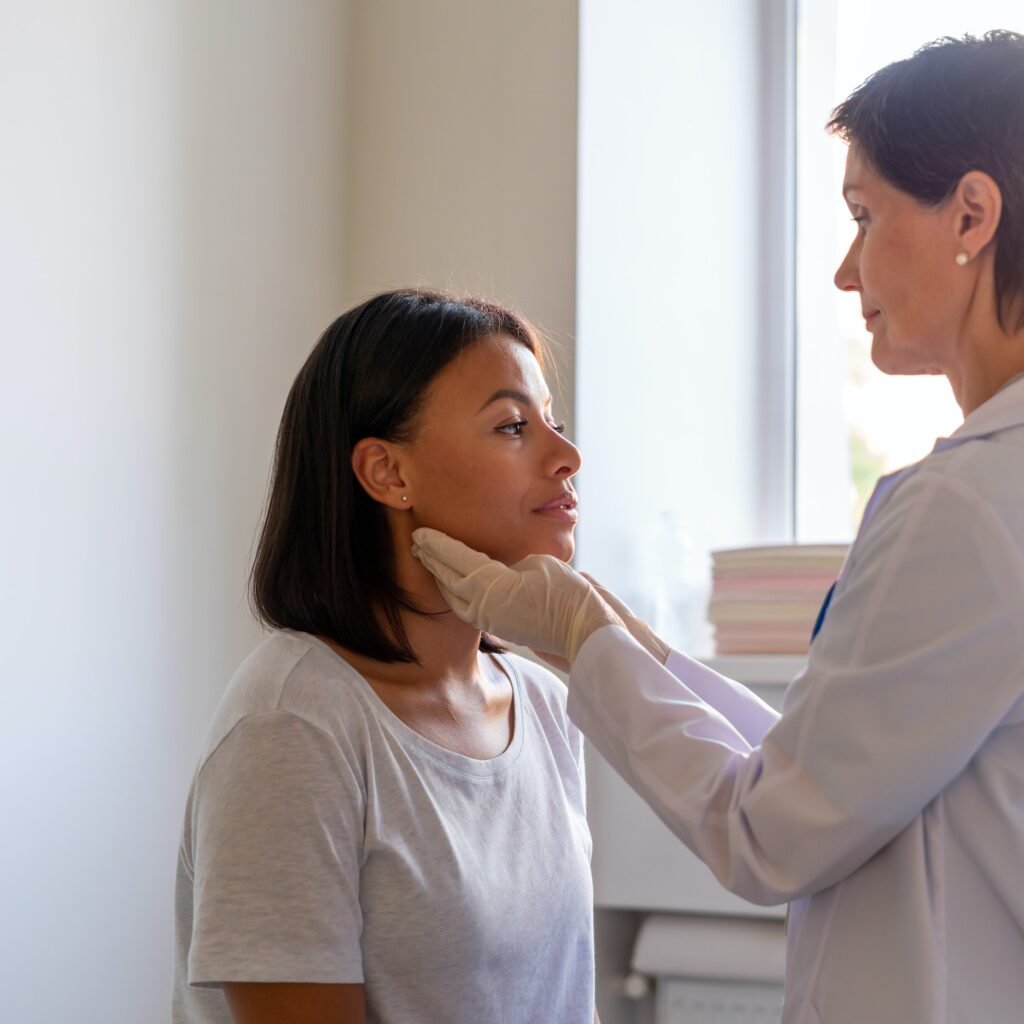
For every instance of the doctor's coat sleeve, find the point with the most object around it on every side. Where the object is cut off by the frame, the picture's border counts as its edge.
(921, 658)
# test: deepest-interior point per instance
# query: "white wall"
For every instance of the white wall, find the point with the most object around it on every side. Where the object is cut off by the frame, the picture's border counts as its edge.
(463, 156)
(171, 245)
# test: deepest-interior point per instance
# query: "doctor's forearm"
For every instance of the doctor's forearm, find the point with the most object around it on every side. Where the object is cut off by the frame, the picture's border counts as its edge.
(746, 712)
(710, 786)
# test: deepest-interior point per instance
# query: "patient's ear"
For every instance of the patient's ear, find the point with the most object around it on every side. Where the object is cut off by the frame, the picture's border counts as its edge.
(377, 466)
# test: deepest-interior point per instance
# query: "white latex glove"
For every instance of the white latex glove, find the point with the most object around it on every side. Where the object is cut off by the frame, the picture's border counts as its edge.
(640, 631)
(539, 602)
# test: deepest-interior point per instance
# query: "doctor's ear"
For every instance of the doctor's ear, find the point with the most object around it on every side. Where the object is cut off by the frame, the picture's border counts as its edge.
(376, 465)
(978, 203)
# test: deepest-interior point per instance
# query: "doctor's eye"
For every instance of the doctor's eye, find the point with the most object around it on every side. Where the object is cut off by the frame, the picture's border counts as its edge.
(558, 427)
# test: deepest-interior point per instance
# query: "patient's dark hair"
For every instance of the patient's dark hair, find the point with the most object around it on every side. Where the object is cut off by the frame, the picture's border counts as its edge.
(324, 562)
(956, 106)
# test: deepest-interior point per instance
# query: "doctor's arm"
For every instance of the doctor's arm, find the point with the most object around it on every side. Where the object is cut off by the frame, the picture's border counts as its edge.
(917, 665)
(747, 713)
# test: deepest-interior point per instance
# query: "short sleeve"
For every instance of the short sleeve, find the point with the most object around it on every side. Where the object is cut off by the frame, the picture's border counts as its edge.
(277, 830)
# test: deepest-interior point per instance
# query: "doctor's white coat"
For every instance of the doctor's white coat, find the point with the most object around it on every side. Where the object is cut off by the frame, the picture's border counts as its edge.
(886, 803)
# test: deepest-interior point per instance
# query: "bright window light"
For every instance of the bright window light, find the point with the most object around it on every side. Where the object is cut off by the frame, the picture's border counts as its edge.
(853, 423)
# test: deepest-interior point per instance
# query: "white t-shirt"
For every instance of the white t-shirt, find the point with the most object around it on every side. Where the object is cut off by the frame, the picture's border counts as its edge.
(326, 841)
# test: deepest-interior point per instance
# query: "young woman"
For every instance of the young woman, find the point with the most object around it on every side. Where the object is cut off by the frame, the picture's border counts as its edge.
(387, 822)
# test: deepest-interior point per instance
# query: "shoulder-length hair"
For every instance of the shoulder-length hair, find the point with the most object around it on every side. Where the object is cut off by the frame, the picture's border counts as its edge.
(956, 105)
(324, 562)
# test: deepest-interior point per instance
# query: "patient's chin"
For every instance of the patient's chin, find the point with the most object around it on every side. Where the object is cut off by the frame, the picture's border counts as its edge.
(510, 546)
(562, 548)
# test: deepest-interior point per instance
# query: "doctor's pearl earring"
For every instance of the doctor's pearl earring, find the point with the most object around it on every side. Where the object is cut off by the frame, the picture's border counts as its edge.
(405, 497)
(962, 259)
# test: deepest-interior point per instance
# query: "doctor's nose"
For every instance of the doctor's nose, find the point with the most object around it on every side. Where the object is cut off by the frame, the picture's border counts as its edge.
(847, 277)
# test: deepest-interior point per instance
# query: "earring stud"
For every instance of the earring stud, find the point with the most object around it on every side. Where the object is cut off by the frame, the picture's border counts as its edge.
(405, 497)
(962, 259)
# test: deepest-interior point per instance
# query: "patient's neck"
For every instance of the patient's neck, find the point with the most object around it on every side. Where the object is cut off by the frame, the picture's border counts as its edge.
(447, 648)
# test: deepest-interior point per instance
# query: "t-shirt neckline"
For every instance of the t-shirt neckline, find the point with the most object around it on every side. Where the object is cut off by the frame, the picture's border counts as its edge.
(405, 734)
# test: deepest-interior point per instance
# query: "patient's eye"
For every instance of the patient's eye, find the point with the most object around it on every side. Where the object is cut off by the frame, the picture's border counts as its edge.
(516, 429)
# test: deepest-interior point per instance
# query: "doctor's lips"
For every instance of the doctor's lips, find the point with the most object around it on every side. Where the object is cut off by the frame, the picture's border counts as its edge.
(562, 506)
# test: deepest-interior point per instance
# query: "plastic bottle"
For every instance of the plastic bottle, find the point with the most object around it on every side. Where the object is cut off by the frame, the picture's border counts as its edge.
(681, 588)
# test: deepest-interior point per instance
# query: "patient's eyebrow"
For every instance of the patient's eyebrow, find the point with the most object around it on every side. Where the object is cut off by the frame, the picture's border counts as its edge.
(517, 396)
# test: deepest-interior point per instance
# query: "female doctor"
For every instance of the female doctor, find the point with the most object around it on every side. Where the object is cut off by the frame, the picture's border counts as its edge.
(886, 802)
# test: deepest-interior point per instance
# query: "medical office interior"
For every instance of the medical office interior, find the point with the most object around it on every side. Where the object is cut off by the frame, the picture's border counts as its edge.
(192, 191)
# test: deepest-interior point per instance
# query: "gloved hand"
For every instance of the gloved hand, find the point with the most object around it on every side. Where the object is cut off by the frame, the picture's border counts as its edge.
(639, 630)
(539, 602)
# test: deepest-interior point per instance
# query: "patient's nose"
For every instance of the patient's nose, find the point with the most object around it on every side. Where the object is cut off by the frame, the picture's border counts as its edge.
(567, 457)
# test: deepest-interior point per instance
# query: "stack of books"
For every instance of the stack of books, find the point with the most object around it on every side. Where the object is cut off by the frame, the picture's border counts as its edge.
(764, 600)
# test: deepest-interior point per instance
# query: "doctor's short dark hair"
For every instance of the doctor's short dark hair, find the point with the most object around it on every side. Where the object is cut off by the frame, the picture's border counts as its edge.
(324, 562)
(956, 105)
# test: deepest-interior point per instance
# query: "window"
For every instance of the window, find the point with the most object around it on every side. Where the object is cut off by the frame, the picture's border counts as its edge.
(710, 224)
(852, 422)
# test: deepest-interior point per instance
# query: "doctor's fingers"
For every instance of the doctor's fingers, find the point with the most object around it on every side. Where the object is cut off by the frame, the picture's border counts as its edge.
(463, 609)
(448, 551)
(474, 598)
(443, 573)
(468, 593)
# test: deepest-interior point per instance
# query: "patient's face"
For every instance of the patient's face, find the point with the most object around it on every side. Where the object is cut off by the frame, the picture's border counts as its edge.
(487, 464)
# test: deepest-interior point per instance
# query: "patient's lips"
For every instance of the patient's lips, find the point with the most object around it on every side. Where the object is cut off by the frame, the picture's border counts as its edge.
(562, 507)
